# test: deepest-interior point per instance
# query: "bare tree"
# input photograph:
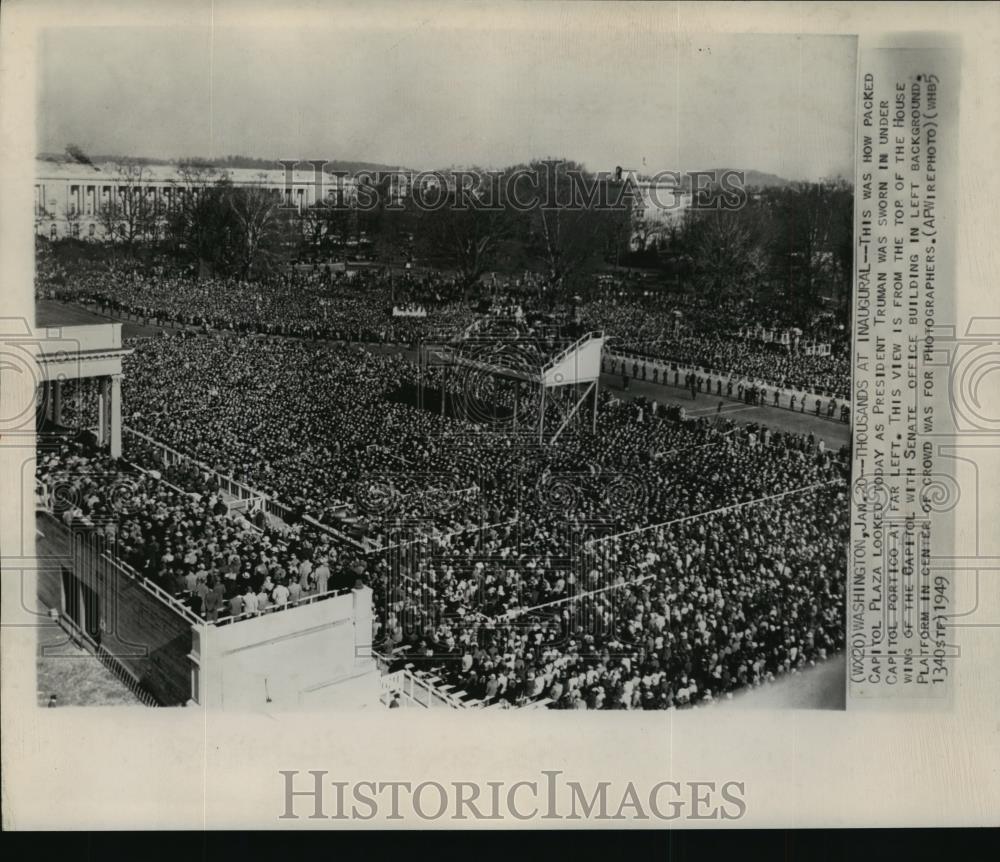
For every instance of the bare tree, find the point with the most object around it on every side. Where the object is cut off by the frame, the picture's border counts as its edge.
(470, 229)
(325, 227)
(256, 211)
(198, 212)
(574, 218)
(814, 223)
(729, 256)
(131, 216)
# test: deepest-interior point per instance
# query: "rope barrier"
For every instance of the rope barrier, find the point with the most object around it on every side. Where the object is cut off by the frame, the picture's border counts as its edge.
(717, 511)
(521, 611)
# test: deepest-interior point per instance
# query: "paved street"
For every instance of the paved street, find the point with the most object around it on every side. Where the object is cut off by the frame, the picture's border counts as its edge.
(834, 433)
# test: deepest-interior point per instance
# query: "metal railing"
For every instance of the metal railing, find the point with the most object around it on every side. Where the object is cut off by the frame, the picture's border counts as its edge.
(426, 689)
(312, 598)
(242, 492)
(171, 457)
(124, 568)
(364, 545)
(419, 688)
(122, 673)
(684, 366)
(160, 479)
(44, 503)
(171, 601)
(273, 507)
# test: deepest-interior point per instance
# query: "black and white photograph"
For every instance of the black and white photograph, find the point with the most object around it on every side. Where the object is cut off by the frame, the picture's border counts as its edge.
(496, 373)
(380, 382)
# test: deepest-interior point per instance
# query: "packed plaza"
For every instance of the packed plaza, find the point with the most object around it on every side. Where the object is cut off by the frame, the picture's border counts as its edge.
(660, 562)
(368, 306)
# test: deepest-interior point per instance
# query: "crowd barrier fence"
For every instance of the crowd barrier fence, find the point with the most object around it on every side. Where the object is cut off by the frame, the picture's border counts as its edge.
(718, 385)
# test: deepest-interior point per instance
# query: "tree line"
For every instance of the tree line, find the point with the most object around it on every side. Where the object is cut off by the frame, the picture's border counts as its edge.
(792, 243)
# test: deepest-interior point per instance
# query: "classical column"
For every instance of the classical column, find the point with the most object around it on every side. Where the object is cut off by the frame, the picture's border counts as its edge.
(102, 410)
(115, 429)
(56, 401)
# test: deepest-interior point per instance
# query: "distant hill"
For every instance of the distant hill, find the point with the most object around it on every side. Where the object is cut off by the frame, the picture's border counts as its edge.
(759, 179)
(752, 179)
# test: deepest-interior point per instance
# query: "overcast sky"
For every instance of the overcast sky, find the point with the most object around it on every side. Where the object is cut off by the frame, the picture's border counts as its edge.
(363, 85)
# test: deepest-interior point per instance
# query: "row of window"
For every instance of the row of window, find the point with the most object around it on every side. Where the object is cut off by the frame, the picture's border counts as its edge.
(74, 230)
(86, 197)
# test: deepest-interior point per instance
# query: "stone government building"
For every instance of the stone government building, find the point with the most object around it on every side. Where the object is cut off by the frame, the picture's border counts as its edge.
(71, 195)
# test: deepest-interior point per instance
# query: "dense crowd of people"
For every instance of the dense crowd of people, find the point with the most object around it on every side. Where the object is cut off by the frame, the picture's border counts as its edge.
(341, 306)
(358, 306)
(680, 614)
(661, 562)
(174, 528)
(541, 573)
(721, 341)
(306, 423)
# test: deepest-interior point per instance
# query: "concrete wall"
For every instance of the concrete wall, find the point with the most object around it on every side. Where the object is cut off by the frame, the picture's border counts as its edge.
(316, 655)
(312, 655)
(74, 352)
(149, 638)
(78, 337)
